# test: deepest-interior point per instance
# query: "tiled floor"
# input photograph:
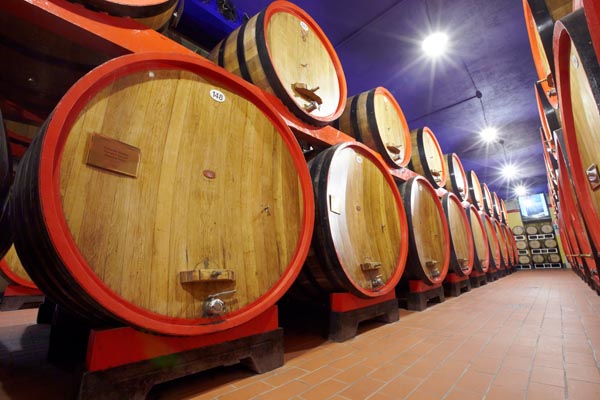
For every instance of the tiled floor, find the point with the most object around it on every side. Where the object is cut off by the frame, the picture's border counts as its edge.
(530, 335)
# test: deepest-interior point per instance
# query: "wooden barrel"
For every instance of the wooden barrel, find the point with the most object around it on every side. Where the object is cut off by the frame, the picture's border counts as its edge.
(570, 209)
(531, 230)
(535, 244)
(456, 182)
(521, 244)
(134, 217)
(540, 16)
(550, 163)
(488, 202)
(509, 244)
(496, 207)
(427, 158)
(39, 66)
(152, 13)
(549, 117)
(12, 270)
(375, 119)
(5, 182)
(592, 14)
(553, 258)
(475, 192)
(546, 228)
(524, 259)
(518, 230)
(492, 238)
(360, 242)
(429, 239)
(550, 243)
(282, 50)
(538, 258)
(502, 244)
(504, 213)
(482, 249)
(579, 95)
(462, 249)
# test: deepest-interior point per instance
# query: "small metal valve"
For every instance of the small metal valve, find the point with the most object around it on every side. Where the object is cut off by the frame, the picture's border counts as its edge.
(214, 306)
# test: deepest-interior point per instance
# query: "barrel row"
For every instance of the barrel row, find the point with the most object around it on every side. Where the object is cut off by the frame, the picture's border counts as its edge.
(565, 42)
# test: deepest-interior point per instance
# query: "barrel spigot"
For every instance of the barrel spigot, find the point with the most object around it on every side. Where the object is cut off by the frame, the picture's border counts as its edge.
(214, 306)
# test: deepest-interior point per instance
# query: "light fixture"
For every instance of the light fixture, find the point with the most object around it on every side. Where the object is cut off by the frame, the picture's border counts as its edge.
(509, 171)
(489, 134)
(520, 190)
(435, 44)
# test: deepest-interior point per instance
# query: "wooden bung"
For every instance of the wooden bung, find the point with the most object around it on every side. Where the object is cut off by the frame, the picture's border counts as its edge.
(115, 205)
(375, 119)
(360, 242)
(429, 243)
(427, 158)
(282, 50)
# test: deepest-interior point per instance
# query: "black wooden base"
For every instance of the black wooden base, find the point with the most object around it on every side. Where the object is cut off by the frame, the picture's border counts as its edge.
(418, 300)
(261, 353)
(478, 280)
(344, 325)
(12, 303)
(455, 289)
(492, 276)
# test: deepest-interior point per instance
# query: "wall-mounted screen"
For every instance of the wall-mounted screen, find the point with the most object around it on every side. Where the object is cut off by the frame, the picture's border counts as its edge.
(533, 207)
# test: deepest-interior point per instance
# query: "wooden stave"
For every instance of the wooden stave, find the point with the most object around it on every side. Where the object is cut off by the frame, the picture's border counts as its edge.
(154, 16)
(573, 31)
(5, 183)
(475, 192)
(414, 265)
(323, 272)
(504, 213)
(509, 244)
(266, 77)
(451, 182)
(70, 292)
(502, 244)
(478, 228)
(359, 120)
(488, 203)
(495, 256)
(496, 207)
(418, 159)
(446, 200)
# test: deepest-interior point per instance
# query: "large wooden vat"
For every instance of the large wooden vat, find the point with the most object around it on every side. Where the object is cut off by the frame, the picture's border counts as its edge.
(429, 240)
(375, 119)
(488, 201)
(462, 251)
(152, 13)
(360, 241)
(283, 51)
(540, 16)
(39, 65)
(12, 270)
(592, 14)
(427, 158)
(502, 243)
(475, 192)
(482, 248)
(493, 242)
(457, 181)
(163, 193)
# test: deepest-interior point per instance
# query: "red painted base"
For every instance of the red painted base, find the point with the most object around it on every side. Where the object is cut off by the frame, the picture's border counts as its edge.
(17, 290)
(342, 302)
(418, 286)
(477, 274)
(454, 278)
(115, 347)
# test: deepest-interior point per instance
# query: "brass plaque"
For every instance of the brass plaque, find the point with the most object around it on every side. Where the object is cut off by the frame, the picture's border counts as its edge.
(113, 155)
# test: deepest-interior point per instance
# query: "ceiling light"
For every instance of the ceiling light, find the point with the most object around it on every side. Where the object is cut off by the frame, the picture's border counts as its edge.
(488, 134)
(435, 44)
(509, 171)
(520, 190)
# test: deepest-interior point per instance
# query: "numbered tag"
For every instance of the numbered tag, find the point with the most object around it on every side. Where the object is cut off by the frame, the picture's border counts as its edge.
(217, 95)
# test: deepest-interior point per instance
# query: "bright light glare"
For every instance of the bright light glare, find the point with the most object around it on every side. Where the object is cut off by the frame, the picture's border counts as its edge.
(435, 44)
(488, 134)
(520, 190)
(509, 171)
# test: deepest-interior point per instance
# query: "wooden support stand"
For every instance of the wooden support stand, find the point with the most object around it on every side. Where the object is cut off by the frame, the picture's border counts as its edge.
(478, 279)
(454, 284)
(419, 294)
(124, 363)
(17, 297)
(347, 311)
(492, 275)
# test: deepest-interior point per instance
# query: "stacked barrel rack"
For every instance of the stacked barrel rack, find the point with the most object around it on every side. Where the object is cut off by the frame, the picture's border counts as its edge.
(565, 42)
(356, 230)
(537, 247)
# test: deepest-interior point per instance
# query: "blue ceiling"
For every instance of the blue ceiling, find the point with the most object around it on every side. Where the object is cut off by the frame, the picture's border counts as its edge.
(378, 43)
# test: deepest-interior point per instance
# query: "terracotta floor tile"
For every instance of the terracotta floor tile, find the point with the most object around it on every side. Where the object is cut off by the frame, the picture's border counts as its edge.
(582, 373)
(362, 389)
(461, 394)
(353, 374)
(580, 390)
(517, 363)
(421, 368)
(247, 392)
(346, 362)
(324, 390)
(539, 391)
(513, 379)
(475, 381)
(551, 360)
(283, 376)
(580, 358)
(548, 376)
(485, 364)
(401, 386)
(320, 375)
(504, 393)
